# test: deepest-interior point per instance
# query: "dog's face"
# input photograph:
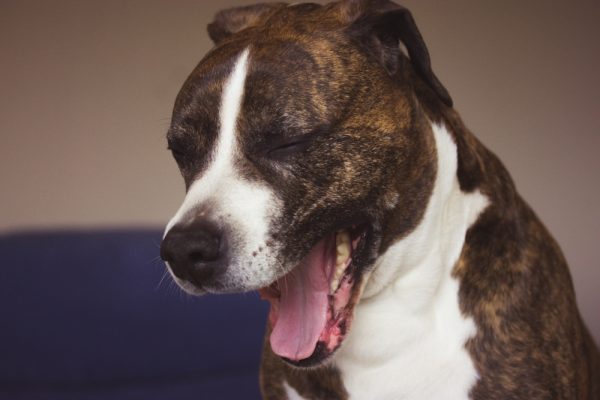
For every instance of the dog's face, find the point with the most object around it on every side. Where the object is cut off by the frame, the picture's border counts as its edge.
(304, 155)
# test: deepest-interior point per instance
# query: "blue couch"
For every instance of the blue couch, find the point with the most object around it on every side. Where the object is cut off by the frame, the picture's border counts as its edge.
(91, 315)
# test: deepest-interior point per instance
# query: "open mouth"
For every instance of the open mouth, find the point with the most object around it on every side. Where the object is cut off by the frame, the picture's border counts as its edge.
(312, 305)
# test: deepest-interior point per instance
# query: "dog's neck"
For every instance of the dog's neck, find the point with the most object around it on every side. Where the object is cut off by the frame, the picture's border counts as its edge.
(436, 242)
(412, 293)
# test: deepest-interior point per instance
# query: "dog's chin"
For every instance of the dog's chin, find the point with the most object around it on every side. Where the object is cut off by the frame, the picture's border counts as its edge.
(312, 306)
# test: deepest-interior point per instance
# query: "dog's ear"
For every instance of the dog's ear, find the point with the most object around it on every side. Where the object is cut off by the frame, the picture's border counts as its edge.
(233, 20)
(381, 26)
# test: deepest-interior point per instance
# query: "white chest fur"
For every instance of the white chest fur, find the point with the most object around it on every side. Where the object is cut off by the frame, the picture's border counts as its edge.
(408, 335)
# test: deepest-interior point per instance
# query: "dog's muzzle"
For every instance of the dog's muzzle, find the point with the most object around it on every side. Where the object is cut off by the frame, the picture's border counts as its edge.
(196, 252)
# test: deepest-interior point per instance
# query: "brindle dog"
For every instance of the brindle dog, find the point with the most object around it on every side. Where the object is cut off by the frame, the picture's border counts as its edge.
(326, 167)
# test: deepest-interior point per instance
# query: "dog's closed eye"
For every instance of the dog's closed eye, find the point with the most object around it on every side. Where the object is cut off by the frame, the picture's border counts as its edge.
(285, 147)
(288, 147)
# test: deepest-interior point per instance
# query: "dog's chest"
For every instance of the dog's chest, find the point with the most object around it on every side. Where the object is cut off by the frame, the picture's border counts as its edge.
(392, 354)
(406, 356)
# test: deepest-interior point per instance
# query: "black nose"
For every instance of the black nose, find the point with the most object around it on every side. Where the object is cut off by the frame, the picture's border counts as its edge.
(195, 252)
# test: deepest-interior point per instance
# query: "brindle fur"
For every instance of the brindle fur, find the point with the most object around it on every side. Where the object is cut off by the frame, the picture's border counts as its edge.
(309, 65)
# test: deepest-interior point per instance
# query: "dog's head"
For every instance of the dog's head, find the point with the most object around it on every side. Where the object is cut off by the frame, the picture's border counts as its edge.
(305, 154)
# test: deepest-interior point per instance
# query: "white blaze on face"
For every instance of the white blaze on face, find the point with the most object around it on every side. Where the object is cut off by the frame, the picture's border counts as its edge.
(243, 208)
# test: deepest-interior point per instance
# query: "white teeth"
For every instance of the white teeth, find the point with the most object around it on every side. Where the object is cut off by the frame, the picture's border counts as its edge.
(342, 247)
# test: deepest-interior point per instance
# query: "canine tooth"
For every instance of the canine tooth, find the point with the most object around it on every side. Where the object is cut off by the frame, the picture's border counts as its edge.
(342, 241)
(342, 256)
(343, 248)
(342, 237)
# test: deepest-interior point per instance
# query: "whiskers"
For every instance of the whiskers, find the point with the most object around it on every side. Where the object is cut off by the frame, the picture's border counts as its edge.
(166, 282)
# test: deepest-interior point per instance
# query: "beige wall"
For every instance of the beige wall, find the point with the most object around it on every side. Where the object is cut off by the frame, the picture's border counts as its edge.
(86, 89)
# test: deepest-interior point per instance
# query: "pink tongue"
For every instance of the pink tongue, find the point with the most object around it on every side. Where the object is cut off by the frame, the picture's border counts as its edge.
(303, 305)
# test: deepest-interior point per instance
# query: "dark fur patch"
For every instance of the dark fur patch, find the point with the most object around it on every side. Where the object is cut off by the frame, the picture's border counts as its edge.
(531, 341)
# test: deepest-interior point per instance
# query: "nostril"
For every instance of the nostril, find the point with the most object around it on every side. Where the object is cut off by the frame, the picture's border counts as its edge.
(204, 255)
(204, 247)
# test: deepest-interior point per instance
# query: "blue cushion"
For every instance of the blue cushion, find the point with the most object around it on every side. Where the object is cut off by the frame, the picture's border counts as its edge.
(91, 315)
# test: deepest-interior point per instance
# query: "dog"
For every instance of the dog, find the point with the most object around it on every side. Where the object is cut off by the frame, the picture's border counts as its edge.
(326, 168)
